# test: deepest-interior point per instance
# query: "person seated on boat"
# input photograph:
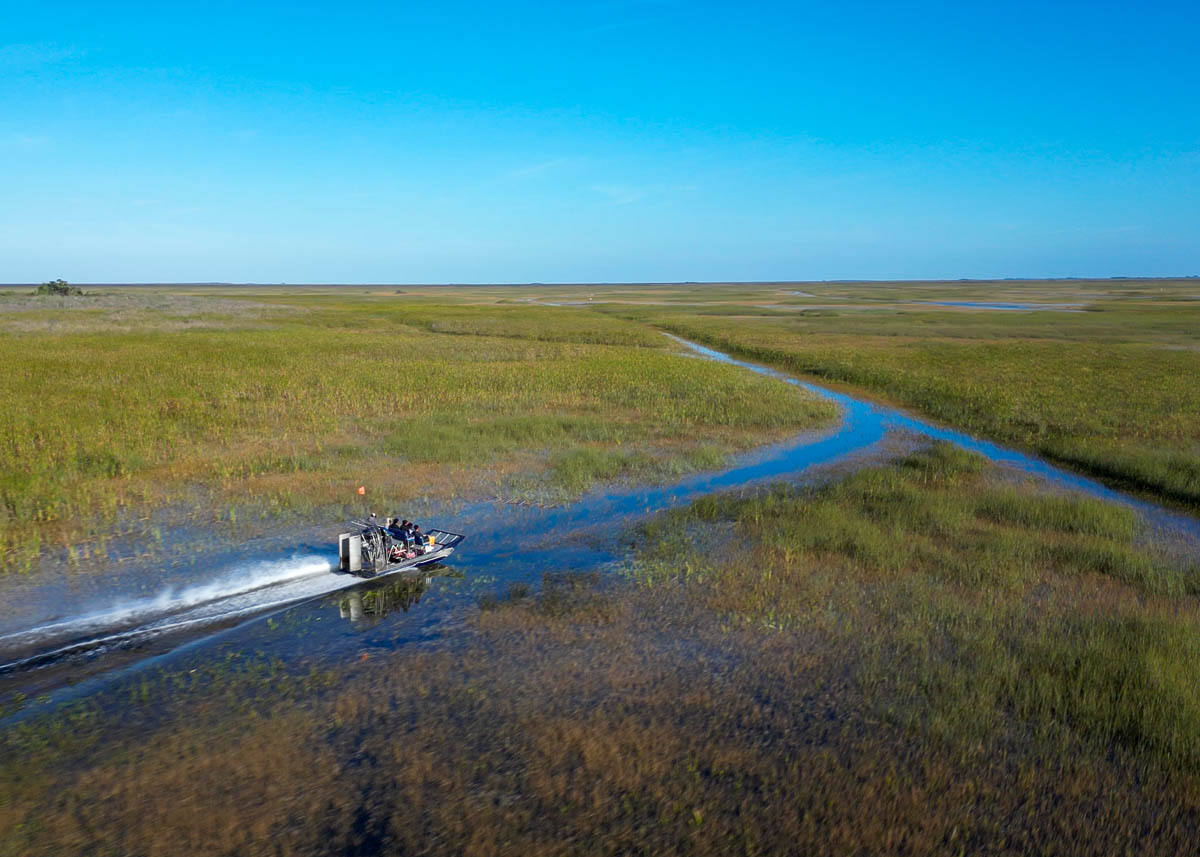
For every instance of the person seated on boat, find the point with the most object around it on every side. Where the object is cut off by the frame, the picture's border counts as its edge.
(398, 530)
(418, 538)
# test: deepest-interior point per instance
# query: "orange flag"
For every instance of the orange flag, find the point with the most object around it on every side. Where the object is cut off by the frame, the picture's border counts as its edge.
(362, 489)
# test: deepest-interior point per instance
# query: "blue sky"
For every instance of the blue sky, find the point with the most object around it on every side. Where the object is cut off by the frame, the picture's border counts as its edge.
(606, 141)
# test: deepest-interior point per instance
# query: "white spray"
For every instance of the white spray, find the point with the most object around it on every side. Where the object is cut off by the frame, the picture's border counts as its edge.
(239, 581)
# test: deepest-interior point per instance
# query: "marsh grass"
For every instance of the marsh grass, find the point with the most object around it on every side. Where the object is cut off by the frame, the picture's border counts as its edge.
(763, 681)
(1110, 393)
(291, 411)
(969, 601)
(538, 323)
(923, 658)
(25, 313)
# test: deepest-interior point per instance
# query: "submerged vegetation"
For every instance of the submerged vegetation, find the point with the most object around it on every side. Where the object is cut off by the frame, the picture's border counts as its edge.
(967, 601)
(922, 658)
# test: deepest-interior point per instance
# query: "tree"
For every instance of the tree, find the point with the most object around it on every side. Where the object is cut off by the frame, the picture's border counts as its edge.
(58, 287)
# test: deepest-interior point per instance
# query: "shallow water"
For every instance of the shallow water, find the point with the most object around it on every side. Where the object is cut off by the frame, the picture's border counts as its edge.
(75, 655)
(1027, 307)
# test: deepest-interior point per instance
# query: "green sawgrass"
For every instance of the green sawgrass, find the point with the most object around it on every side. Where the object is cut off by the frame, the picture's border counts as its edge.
(292, 407)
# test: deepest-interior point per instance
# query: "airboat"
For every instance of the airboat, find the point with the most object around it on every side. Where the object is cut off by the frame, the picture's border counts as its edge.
(371, 549)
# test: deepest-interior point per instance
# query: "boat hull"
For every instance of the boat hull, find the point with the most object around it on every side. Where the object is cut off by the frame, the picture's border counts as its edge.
(408, 564)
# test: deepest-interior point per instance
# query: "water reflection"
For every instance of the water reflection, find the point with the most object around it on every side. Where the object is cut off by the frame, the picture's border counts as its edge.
(371, 602)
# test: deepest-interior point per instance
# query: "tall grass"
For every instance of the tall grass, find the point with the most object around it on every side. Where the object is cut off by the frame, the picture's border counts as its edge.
(294, 409)
(1109, 393)
(967, 602)
(917, 659)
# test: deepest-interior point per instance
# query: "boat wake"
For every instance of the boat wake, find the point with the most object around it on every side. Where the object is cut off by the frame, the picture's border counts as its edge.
(237, 593)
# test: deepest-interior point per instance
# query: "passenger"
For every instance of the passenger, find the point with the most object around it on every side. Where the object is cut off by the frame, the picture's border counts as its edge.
(397, 529)
(418, 538)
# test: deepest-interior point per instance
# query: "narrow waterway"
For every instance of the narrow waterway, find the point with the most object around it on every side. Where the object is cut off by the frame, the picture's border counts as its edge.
(888, 419)
(75, 655)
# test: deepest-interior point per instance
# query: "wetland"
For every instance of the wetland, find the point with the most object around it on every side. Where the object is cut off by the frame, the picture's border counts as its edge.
(705, 606)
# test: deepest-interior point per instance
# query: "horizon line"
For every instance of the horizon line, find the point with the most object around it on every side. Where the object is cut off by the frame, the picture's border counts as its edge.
(222, 283)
